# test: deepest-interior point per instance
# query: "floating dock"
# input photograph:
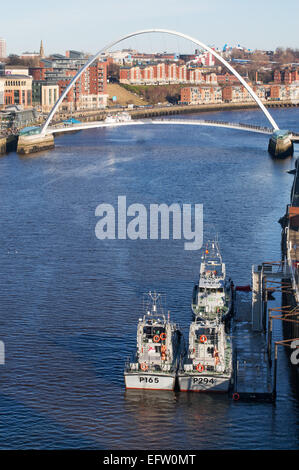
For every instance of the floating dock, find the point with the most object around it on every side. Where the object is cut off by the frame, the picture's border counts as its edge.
(252, 372)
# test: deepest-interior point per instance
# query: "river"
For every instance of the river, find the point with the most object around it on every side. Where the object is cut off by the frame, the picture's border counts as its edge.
(70, 302)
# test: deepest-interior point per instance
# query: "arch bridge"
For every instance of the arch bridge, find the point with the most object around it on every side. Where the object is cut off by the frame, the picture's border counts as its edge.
(46, 134)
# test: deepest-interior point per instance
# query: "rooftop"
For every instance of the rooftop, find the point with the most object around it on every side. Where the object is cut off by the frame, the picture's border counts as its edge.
(9, 77)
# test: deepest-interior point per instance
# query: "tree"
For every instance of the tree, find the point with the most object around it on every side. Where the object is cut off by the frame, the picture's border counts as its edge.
(113, 72)
(14, 59)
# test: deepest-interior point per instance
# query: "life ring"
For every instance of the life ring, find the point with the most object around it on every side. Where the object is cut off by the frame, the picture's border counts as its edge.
(203, 339)
(164, 336)
(156, 339)
(200, 368)
(236, 396)
(163, 357)
(163, 348)
(143, 366)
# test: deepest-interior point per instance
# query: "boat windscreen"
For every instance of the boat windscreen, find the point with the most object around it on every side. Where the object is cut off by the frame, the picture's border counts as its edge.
(151, 331)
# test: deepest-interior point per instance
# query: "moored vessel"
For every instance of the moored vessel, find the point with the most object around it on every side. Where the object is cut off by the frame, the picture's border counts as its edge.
(207, 367)
(208, 364)
(160, 348)
(213, 294)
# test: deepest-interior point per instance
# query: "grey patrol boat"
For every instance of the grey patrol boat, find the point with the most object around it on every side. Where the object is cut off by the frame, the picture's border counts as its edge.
(208, 365)
(160, 348)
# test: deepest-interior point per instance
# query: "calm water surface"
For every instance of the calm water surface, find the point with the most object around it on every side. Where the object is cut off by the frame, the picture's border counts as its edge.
(70, 302)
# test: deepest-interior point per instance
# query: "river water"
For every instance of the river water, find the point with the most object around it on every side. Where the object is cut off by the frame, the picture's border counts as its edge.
(70, 302)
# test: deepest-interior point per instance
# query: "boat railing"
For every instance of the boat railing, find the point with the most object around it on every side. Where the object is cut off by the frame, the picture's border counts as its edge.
(147, 366)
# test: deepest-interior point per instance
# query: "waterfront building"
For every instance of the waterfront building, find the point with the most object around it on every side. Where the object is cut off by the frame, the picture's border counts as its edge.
(17, 90)
(2, 48)
(16, 70)
(280, 92)
(2, 98)
(44, 95)
(164, 73)
(217, 94)
(89, 92)
(201, 95)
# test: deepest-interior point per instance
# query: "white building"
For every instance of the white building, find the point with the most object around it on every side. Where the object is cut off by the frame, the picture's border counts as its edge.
(2, 82)
(16, 70)
(2, 48)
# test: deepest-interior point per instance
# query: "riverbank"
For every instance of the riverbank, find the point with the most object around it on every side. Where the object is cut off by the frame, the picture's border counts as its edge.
(168, 110)
(8, 142)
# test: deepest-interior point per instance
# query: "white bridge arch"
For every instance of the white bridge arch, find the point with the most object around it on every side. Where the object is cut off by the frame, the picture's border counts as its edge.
(174, 33)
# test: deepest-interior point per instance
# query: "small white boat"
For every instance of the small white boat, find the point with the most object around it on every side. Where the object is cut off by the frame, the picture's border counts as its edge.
(160, 348)
(119, 117)
(110, 119)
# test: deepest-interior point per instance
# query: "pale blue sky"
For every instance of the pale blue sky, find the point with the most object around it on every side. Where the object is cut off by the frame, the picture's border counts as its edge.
(90, 24)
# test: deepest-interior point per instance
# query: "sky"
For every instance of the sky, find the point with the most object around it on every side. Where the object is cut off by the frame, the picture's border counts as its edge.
(89, 25)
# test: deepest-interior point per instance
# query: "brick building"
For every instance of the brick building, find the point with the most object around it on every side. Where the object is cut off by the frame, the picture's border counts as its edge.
(90, 90)
(163, 73)
(201, 95)
(205, 94)
(286, 76)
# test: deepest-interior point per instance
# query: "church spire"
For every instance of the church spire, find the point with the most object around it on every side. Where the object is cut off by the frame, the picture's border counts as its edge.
(41, 50)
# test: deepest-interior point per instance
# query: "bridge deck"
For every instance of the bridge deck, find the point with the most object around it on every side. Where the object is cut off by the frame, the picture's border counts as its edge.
(61, 128)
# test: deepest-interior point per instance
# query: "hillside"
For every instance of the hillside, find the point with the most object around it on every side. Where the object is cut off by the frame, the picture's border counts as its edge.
(124, 97)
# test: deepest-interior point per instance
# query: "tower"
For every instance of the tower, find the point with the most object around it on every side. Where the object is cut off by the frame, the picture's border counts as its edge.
(2, 48)
(41, 50)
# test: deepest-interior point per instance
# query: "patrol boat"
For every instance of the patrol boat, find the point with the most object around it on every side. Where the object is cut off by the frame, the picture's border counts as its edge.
(208, 364)
(213, 295)
(160, 348)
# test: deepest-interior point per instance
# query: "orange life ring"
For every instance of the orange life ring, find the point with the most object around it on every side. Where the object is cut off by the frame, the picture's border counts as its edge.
(236, 396)
(164, 336)
(163, 348)
(203, 339)
(163, 357)
(143, 366)
(200, 368)
(156, 339)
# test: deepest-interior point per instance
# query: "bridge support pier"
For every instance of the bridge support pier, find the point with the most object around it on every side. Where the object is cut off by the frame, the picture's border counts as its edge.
(281, 145)
(8, 144)
(35, 143)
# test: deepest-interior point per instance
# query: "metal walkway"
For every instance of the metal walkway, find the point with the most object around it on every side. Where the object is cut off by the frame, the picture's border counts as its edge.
(61, 128)
(252, 374)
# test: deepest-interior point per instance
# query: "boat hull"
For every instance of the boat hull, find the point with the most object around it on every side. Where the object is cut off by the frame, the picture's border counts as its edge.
(204, 383)
(149, 381)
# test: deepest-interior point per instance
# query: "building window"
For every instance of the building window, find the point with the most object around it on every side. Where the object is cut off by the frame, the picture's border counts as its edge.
(16, 97)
